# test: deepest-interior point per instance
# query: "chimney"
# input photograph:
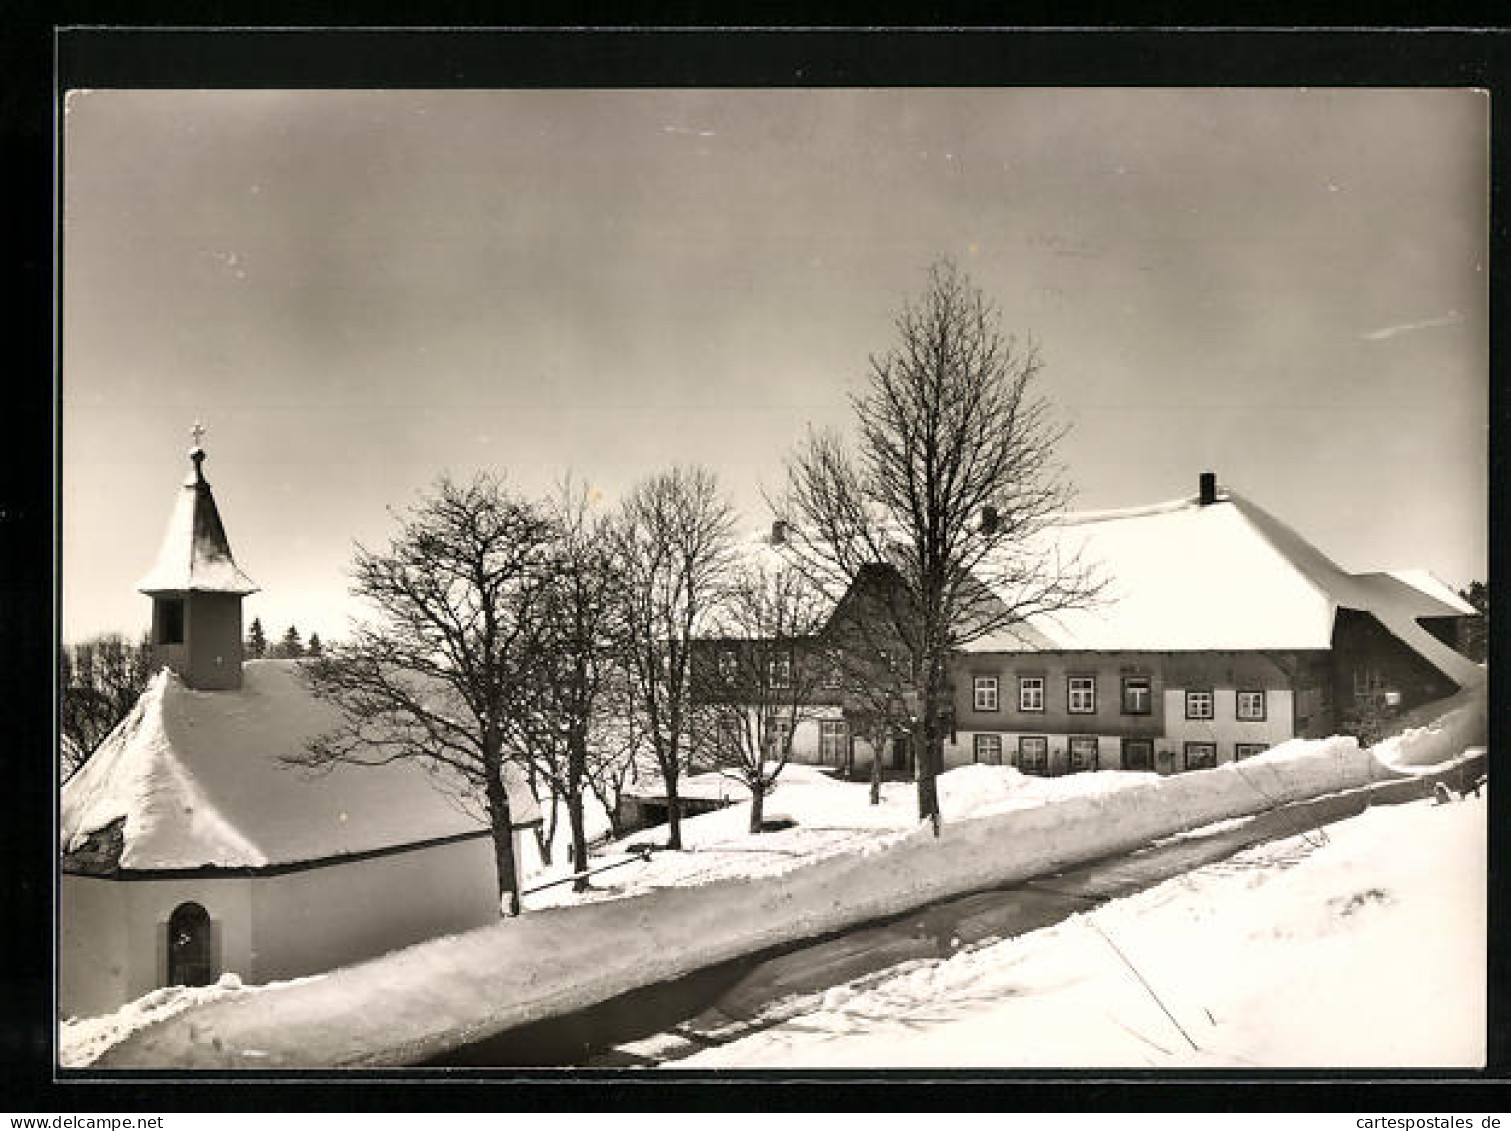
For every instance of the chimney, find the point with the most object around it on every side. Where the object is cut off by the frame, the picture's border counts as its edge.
(779, 532)
(1208, 493)
(989, 519)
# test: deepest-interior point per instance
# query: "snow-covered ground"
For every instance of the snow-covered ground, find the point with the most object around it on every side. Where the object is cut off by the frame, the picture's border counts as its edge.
(843, 862)
(1360, 947)
(82, 1039)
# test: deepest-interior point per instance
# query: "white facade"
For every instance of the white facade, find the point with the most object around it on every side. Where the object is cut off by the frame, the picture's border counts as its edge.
(962, 752)
(1225, 728)
(113, 933)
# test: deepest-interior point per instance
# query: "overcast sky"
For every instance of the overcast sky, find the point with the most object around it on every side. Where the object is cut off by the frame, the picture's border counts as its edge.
(357, 290)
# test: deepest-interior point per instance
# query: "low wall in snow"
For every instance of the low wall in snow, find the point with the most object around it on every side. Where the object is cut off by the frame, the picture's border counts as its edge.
(418, 1003)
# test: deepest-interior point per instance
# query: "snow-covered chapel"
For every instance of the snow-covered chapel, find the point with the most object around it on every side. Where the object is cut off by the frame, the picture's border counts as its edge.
(191, 845)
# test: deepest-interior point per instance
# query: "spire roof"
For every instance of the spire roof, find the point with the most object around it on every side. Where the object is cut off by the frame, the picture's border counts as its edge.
(195, 555)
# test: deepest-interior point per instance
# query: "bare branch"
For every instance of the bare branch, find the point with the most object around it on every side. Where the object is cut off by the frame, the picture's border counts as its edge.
(933, 531)
(443, 672)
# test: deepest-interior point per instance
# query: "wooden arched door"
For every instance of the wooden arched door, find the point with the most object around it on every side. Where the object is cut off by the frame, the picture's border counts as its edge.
(190, 962)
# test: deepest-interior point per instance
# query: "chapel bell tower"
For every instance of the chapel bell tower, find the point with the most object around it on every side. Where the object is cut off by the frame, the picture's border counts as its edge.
(196, 589)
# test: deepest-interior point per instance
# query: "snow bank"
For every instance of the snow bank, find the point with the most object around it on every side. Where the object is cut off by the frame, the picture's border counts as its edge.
(1423, 749)
(81, 1040)
(687, 910)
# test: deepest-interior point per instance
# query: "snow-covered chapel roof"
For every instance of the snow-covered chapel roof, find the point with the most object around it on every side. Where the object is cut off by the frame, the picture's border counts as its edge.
(1226, 576)
(200, 780)
(195, 554)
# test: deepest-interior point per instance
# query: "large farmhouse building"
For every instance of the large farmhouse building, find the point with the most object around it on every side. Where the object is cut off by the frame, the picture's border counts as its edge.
(1220, 632)
(194, 845)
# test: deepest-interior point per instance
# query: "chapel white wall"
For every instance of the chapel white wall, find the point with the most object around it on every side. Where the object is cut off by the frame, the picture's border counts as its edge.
(112, 935)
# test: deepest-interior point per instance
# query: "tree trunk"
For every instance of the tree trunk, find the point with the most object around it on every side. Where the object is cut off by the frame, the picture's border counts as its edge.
(503, 843)
(673, 810)
(928, 739)
(757, 804)
(877, 744)
(673, 819)
(616, 826)
(545, 832)
(579, 842)
(928, 749)
(928, 793)
(577, 772)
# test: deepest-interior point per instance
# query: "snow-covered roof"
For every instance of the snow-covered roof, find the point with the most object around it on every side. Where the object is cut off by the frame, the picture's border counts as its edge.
(1430, 586)
(1178, 576)
(195, 554)
(200, 779)
(1227, 576)
(759, 552)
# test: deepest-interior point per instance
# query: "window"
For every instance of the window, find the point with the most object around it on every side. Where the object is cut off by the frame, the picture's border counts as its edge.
(833, 738)
(1248, 749)
(1198, 704)
(1033, 754)
(1081, 698)
(1367, 681)
(1251, 706)
(779, 672)
(728, 662)
(1138, 754)
(1031, 693)
(189, 960)
(729, 734)
(1083, 754)
(170, 623)
(1201, 755)
(834, 677)
(778, 737)
(989, 749)
(1136, 696)
(986, 692)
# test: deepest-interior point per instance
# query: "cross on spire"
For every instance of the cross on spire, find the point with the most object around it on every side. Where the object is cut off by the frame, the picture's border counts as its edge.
(197, 453)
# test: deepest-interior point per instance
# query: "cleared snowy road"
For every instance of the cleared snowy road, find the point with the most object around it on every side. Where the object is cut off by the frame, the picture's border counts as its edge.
(664, 1023)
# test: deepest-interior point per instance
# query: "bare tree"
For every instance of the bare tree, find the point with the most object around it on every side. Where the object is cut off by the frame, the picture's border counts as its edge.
(100, 681)
(547, 799)
(574, 654)
(441, 676)
(754, 679)
(672, 553)
(618, 748)
(868, 663)
(950, 485)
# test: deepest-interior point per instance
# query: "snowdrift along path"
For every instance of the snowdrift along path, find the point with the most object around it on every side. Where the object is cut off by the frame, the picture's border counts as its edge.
(416, 1003)
(1337, 950)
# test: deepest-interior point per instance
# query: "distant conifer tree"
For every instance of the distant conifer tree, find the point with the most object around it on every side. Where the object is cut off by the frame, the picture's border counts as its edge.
(291, 647)
(314, 647)
(257, 641)
(1474, 630)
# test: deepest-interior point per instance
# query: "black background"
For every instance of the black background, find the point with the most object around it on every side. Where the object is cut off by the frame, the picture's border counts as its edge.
(43, 53)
